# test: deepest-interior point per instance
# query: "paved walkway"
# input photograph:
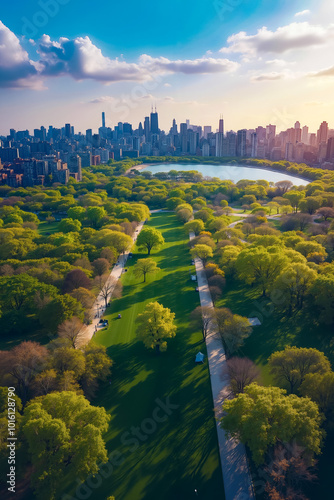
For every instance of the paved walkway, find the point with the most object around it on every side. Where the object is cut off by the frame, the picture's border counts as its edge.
(99, 308)
(236, 475)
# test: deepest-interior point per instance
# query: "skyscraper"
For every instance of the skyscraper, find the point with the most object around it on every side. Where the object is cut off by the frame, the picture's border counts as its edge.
(68, 130)
(241, 142)
(298, 132)
(147, 127)
(221, 126)
(103, 119)
(154, 122)
(220, 139)
(183, 137)
(305, 135)
(322, 135)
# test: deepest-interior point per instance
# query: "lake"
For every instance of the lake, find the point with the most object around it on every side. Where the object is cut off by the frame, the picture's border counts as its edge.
(231, 172)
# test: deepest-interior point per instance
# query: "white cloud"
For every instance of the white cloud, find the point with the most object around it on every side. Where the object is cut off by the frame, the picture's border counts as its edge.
(277, 62)
(81, 59)
(302, 13)
(272, 76)
(202, 65)
(325, 72)
(105, 99)
(286, 38)
(16, 70)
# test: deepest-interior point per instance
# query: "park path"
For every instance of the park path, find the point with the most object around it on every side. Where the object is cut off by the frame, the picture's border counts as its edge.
(99, 308)
(236, 474)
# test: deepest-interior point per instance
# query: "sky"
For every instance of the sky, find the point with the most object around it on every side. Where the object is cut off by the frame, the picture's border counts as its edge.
(254, 62)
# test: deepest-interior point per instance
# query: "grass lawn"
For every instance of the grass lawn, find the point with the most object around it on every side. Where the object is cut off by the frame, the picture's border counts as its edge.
(47, 227)
(181, 453)
(274, 334)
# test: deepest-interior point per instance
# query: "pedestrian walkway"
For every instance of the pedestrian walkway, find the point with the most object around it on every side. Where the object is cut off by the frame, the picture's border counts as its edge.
(236, 474)
(99, 307)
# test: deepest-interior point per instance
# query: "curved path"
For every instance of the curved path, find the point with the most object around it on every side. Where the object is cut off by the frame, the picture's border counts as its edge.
(236, 475)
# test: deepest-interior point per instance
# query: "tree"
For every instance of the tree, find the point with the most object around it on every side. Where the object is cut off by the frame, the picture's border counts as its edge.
(320, 388)
(202, 252)
(58, 310)
(233, 329)
(290, 367)
(292, 285)
(64, 436)
(322, 292)
(16, 292)
(201, 319)
(120, 241)
(108, 286)
(310, 204)
(21, 364)
(294, 198)
(69, 225)
(70, 329)
(326, 212)
(45, 382)
(215, 293)
(263, 416)
(65, 358)
(144, 267)
(84, 296)
(101, 266)
(149, 238)
(283, 186)
(95, 215)
(309, 247)
(261, 266)
(242, 372)
(217, 280)
(76, 279)
(287, 472)
(98, 365)
(195, 225)
(155, 325)
(77, 213)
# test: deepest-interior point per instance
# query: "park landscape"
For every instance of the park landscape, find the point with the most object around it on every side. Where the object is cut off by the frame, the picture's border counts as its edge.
(267, 253)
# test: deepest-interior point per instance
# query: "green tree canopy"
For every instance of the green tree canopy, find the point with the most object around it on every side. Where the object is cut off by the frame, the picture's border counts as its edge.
(290, 366)
(69, 225)
(322, 292)
(263, 416)
(155, 325)
(202, 252)
(17, 292)
(64, 435)
(144, 267)
(291, 286)
(61, 308)
(149, 238)
(195, 225)
(260, 266)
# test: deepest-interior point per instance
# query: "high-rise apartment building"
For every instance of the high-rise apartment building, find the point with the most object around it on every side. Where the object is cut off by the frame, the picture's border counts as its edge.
(322, 135)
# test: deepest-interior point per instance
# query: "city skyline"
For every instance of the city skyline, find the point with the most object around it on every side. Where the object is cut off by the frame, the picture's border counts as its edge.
(255, 61)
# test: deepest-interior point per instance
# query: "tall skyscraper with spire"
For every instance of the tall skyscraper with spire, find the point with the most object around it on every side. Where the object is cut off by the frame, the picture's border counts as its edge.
(103, 119)
(220, 138)
(154, 121)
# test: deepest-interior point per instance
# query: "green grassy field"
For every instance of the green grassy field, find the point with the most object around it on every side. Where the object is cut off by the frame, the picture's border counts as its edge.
(181, 453)
(46, 228)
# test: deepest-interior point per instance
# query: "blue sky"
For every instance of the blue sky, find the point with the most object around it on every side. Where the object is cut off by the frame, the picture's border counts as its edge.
(121, 57)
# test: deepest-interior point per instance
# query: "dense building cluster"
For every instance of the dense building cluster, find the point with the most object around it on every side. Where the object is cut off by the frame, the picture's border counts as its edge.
(55, 155)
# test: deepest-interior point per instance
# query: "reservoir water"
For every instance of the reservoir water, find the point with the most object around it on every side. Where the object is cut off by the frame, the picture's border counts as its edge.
(231, 172)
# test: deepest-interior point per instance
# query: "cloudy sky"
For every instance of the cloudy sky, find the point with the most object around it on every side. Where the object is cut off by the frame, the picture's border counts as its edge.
(255, 61)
